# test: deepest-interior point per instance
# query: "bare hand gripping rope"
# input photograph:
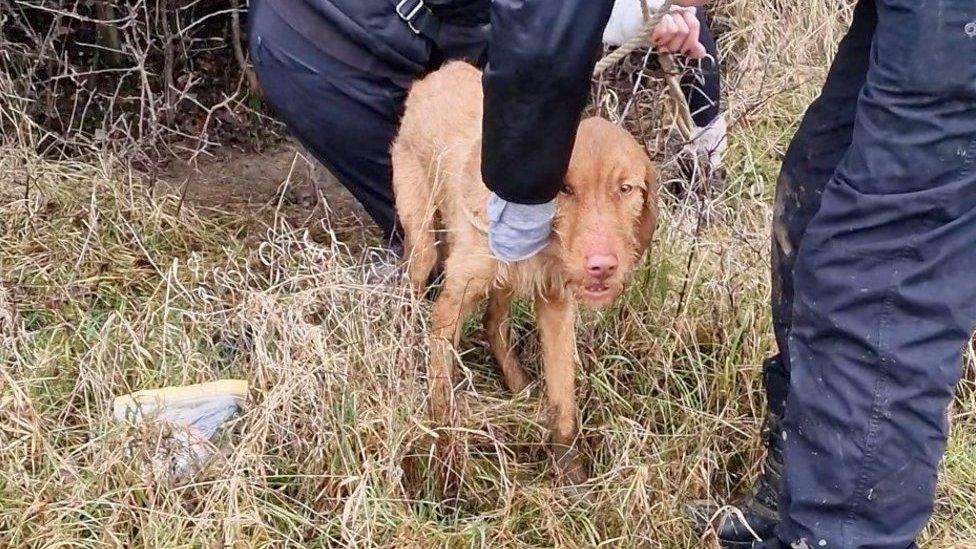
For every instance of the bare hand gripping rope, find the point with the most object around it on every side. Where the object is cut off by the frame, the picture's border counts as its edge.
(685, 122)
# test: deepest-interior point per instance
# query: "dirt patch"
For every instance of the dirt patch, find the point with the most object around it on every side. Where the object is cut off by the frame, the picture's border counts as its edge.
(283, 183)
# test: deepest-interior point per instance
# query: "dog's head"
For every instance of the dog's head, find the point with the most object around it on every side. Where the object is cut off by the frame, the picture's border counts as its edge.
(606, 212)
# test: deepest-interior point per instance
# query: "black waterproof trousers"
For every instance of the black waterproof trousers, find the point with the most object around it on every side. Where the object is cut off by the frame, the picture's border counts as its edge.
(874, 269)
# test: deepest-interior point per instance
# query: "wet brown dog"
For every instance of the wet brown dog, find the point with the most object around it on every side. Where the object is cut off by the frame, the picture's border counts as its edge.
(605, 218)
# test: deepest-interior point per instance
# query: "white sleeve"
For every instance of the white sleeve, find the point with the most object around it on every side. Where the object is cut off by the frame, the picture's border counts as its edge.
(626, 20)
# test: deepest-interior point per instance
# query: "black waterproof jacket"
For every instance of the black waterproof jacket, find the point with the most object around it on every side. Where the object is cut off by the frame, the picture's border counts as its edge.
(540, 57)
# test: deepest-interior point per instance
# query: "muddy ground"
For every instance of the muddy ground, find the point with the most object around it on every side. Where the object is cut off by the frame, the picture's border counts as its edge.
(281, 184)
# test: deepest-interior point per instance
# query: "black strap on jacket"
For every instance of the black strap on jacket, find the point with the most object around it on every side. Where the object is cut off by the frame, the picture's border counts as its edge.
(419, 18)
(454, 40)
(323, 34)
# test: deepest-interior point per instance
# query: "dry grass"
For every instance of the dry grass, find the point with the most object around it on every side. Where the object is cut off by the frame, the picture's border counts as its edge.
(104, 290)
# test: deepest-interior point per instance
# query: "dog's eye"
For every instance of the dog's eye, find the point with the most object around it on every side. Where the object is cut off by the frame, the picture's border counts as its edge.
(626, 189)
(567, 190)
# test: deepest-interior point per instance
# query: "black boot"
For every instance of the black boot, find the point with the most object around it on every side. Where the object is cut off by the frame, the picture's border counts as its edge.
(757, 516)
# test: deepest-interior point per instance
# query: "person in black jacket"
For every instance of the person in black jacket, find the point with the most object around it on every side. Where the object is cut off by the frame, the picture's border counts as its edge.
(336, 72)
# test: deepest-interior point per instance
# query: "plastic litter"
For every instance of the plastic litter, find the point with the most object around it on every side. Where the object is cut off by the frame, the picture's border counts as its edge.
(188, 416)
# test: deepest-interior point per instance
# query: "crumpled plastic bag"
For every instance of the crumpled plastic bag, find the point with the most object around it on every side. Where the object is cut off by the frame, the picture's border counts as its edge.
(186, 419)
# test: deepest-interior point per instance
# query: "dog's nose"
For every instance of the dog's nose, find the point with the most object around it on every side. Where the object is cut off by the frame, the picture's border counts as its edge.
(601, 266)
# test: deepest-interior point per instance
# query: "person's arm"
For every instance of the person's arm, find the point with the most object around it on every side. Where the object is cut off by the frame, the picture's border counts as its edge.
(540, 60)
(676, 32)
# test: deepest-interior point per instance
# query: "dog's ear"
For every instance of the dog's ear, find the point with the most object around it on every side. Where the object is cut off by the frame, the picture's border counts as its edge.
(648, 218)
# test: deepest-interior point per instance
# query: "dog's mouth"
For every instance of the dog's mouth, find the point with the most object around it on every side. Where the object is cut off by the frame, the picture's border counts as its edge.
(597, 292)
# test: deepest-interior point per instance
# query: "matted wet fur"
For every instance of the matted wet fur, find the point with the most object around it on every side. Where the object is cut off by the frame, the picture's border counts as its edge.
(605, 218)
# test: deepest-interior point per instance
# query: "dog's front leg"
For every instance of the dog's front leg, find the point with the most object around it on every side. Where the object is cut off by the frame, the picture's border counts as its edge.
(453, 306)
(557, 332)
(498, 328)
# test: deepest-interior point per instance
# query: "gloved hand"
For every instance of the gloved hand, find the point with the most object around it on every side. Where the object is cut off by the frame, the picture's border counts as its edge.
(518, 231)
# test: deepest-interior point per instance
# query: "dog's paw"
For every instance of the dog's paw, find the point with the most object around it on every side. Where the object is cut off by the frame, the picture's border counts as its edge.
(516, 380)
(570, 468)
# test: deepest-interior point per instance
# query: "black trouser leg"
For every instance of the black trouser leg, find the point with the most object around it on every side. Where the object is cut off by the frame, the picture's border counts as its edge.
(345, 116)
(884, 290)
(703, 89)
(822, 139)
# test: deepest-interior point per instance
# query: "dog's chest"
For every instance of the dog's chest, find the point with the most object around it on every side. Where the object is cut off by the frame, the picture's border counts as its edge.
(538, 276)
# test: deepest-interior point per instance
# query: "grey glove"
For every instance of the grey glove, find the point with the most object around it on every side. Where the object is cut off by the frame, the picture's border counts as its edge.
(518, 231)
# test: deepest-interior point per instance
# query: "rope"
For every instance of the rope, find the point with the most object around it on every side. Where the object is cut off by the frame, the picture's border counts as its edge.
(638, 41)
(686, 124)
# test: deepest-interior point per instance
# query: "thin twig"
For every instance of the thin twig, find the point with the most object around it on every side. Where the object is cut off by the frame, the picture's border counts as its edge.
(236, 37)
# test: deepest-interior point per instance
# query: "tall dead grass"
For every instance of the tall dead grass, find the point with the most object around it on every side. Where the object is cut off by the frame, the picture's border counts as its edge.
(104, 290)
